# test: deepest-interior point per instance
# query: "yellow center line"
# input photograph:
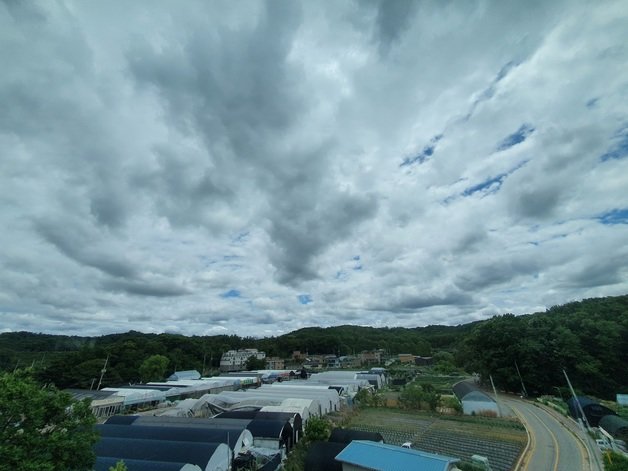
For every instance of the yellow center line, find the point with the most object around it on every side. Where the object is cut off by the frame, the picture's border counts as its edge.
(556, 447)
(529, 448)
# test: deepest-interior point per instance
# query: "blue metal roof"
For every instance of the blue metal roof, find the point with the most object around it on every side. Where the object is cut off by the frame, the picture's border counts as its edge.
(382, 457)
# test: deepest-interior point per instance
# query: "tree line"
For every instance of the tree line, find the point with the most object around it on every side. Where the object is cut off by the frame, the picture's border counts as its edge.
(589, 339)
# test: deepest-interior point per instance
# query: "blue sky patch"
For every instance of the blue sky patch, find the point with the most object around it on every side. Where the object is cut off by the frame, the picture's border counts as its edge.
(304, 298)
(240, 237)
(616, 216)
(425, 154)
(492, 185)
(592, 102)
(517, 137)
(620, 148)
(232, 293)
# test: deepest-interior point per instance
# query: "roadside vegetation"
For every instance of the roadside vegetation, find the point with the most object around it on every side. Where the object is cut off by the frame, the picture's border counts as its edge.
(42, 428)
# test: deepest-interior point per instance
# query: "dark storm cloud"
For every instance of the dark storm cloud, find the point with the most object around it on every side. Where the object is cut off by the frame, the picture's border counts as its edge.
(139, 288)
(416, 302)
(537, 203)
(302, 228)
(498, 272)
(240, 92)
(391, 20)
(76, 243)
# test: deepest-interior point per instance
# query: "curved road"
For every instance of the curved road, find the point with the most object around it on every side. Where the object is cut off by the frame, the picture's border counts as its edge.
(552, 446)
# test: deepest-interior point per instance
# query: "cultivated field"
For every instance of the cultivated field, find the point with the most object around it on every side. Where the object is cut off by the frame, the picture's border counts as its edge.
(501, 440)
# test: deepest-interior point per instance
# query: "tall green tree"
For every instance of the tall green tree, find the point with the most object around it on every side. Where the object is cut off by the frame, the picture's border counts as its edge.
(154, 368)
(254, 363)
(42, 428)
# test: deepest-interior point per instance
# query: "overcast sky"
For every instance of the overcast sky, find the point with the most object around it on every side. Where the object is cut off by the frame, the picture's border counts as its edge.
(254, 168)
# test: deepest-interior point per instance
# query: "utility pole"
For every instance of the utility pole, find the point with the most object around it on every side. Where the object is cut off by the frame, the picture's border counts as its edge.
(525, 392)
(495, 391)
(575, 398)
(102, 373)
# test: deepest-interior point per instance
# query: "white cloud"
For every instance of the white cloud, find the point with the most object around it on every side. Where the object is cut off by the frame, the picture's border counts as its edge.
(154, 159)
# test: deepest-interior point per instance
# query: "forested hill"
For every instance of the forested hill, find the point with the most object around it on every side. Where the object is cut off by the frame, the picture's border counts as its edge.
(588, 338)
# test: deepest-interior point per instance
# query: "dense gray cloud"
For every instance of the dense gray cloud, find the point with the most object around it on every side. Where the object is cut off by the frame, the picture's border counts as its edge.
(256, 167)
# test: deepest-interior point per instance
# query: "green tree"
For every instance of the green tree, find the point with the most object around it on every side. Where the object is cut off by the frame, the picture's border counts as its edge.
(317, 429)
(120, 466)
(254, 363)
(154, 368)
(42, 428)
(615, 462)
(416, 396)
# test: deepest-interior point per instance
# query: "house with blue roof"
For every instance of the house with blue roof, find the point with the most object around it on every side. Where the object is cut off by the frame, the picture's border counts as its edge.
(362, 455)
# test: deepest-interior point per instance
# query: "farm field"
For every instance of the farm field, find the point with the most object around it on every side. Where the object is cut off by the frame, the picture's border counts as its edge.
(501, 440)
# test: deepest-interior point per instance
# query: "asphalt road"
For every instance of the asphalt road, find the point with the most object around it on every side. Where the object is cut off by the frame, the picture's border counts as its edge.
(552, 446)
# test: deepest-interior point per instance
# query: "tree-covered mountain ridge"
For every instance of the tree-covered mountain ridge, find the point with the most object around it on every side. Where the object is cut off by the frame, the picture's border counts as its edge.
(587, 338)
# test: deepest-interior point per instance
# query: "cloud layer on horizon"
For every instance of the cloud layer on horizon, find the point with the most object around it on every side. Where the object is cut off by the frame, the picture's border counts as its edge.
(257, 167)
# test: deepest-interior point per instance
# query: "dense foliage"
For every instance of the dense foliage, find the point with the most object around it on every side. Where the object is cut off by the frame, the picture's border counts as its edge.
(615, 462)
(419, 397)
(42, 428)
(588, 338)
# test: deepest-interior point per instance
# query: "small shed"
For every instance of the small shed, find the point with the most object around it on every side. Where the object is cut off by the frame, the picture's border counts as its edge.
(371, 456)
(616, 426)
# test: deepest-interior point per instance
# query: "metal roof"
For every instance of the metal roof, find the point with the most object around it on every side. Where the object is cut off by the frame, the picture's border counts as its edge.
(236, 440)
(382, 457)
(199, 454)
(80, 394)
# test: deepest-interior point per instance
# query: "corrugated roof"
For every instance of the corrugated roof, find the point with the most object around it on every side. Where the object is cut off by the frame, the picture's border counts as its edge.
(80, 394)
(382, 457)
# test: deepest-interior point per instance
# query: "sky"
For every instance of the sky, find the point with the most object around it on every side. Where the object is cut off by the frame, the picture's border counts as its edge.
(255, 167)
